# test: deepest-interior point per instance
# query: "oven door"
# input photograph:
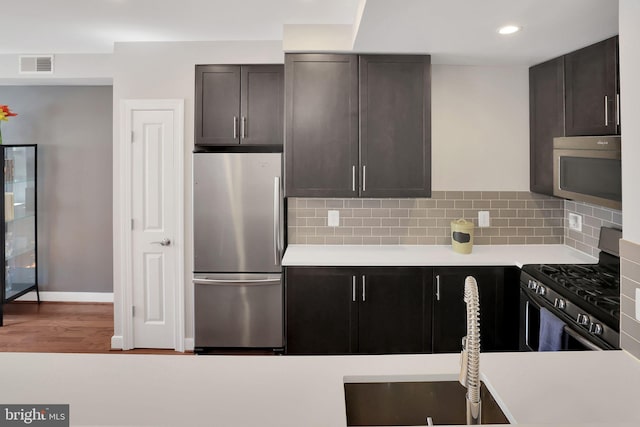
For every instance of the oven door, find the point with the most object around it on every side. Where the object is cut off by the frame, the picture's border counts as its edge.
(530, 306)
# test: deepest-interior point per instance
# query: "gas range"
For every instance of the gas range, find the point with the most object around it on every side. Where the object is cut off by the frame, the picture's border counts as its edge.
(593, 287)
(584, 296)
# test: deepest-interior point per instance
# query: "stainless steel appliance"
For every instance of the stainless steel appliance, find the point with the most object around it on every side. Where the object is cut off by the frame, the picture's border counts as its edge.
(238, 243)
(588, 169)
(586, 297)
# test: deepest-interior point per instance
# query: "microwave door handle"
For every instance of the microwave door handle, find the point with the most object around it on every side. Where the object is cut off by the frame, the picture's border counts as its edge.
(581, 339)
(559, 172)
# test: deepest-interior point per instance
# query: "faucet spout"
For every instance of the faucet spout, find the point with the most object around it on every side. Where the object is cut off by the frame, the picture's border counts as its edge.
(470, 360)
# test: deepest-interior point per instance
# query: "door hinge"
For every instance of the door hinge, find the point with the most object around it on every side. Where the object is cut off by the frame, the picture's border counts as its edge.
(132, 223)
(132, 136)
(133, 311)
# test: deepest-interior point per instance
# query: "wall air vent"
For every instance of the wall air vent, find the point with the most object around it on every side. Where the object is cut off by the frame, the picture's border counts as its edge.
(36, 64)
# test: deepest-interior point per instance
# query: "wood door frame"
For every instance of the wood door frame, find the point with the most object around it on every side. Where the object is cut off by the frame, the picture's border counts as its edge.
(124, 248)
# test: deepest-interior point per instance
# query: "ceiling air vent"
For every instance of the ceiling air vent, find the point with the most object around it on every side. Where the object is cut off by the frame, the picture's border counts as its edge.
(36, 64)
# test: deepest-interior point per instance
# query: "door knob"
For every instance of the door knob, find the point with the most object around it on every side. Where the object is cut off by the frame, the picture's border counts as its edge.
(163, 242)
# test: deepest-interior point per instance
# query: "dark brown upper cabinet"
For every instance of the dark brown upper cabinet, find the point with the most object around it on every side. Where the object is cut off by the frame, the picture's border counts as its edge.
(546, 118)
(357, 126)
(573, 95)
(592, 95)
(321, 125)
(239, 104)
(395, 126)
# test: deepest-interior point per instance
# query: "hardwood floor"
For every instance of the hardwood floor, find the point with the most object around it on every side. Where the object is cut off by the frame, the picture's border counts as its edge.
(57, 327)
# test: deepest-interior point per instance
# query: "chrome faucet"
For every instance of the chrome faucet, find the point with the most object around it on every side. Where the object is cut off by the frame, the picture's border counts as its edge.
(470, 356)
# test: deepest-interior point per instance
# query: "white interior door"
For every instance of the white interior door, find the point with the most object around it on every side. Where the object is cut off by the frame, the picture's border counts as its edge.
(154, 228)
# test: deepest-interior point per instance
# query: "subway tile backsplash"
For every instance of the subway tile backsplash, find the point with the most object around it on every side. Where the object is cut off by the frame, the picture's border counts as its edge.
(629, 282)
(593, 217)
(517, 217)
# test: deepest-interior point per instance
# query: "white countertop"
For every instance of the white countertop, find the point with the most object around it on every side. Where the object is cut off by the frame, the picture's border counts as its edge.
(416, 255)
(564, 388)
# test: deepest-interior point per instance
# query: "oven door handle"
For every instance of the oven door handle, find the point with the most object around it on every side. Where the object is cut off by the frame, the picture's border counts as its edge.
(526, 324)
(582, 340)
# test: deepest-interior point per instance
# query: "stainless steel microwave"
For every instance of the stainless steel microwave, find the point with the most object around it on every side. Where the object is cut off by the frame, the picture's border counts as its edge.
(588, 169)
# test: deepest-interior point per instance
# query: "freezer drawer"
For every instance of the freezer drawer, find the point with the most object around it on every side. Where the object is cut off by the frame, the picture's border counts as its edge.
(238, 311)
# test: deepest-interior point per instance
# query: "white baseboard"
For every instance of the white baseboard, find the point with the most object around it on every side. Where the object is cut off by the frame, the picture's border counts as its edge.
(189, 344)
(117, 342)
(69, 296)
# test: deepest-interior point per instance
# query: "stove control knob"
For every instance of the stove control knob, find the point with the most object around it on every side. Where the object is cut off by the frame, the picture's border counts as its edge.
(583, 319)
(560, 303)
(541, 290)
(533, 285)
(595, 328)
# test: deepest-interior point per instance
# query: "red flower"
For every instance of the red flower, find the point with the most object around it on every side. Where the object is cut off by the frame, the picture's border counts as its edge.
(5, 112)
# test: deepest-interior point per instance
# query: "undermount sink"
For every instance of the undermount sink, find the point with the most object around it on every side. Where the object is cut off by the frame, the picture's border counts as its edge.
(410, 403)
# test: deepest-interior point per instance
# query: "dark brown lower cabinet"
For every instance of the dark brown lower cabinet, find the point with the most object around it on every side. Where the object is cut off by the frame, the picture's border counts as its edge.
(358, 310)
(394, 312)
(382, 310)
(498, 289)
(321, 316)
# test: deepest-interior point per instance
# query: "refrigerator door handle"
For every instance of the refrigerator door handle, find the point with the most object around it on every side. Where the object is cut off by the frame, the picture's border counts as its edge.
(276, 220)
(234, 282)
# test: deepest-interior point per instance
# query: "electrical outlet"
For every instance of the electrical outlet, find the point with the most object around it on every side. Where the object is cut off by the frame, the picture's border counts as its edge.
(333, 218)
(484, 219)
(575, 222)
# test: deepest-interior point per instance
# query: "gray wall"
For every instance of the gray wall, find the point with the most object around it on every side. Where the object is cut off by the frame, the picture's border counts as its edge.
(72, 126)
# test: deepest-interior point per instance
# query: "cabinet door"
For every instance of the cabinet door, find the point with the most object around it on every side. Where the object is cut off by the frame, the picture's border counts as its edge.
(321, 310)
(394, 313)
(217, 111)
(395, 126)
(321, 131)
(450, 310)
(262, 105)
(546, 121)
(591, 89)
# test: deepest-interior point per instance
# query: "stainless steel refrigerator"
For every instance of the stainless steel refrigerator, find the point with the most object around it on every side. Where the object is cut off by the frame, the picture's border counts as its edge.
(238, 243)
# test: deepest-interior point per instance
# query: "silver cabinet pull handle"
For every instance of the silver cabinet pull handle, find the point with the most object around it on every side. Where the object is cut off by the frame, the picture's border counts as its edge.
(364, 178)
(235, 127)
(353, 288)
(618, 109)
(364, 289)
(243, 127)
(437, 287)
(163, 242)
(606, 110)
(353, 178)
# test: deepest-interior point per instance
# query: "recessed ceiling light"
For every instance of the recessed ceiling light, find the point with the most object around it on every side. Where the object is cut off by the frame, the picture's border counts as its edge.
(508, 29)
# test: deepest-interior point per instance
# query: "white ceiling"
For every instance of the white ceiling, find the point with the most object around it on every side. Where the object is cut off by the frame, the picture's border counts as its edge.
(92, 26)
(453, 31)
(465, 31)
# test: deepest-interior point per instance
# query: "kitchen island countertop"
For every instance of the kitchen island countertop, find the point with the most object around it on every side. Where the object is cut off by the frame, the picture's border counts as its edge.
(430, 255)
(535, 389)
